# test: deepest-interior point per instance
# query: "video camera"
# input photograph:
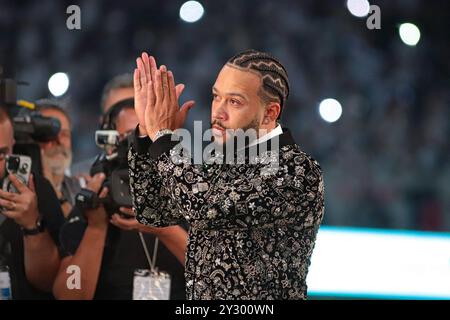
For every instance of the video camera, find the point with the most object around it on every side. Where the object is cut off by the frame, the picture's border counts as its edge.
(112, 162)
(30, 127)
(34, 127)
(115, 168)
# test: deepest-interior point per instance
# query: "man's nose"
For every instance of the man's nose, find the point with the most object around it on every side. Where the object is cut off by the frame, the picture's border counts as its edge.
(220, 113)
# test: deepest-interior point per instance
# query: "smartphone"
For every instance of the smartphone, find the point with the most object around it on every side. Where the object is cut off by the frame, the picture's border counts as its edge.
(20, 166)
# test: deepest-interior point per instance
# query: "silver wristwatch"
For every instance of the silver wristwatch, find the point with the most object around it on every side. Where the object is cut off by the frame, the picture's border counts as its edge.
(162, 132)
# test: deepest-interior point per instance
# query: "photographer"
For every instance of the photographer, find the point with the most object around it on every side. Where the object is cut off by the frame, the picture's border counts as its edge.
(31, 229)
(116, 89)
(109, 253)
(56, 155)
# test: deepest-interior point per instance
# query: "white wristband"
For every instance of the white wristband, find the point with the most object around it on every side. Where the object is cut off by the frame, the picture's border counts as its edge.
(162, 132)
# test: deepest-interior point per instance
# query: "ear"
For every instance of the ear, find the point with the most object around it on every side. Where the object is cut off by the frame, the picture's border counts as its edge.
(272, 112)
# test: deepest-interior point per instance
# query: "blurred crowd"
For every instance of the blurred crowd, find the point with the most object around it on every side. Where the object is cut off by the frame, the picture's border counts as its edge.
(385, 161)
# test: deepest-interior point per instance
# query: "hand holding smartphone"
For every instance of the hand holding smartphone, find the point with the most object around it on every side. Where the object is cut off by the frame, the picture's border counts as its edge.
(20, 166)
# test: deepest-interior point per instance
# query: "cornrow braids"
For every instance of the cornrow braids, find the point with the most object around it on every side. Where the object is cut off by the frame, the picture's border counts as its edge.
(275, 81)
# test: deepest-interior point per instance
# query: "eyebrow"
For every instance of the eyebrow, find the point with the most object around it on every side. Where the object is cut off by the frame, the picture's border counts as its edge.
(232, 94)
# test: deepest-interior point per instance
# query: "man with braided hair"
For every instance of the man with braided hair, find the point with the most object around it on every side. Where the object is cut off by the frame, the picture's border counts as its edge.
(275, 84)
(252, 231)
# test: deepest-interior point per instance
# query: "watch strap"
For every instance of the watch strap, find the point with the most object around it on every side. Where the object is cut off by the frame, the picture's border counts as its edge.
(40, 227)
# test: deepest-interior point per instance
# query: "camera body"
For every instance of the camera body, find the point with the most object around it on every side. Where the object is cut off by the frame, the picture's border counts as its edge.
(107, 139)
(87, 199)
(20, 166)
(113, 163)
(34, 127)
(30, 127)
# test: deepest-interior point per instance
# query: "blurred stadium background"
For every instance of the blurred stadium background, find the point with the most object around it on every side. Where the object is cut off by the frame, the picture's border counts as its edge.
(385, 157)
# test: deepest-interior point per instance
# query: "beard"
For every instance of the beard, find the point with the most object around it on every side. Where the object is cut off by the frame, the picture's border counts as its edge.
(57, 160)
(229, 144)
(235, 133)
(254, 124)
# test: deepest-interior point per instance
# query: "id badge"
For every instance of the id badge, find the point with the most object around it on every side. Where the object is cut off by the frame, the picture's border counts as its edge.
(148, 285)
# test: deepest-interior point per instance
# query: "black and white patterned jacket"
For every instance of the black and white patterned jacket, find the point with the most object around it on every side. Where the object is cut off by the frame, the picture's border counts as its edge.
(252, 233)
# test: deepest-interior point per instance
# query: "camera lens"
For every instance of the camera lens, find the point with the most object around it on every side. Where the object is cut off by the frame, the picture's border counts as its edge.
(24, 168)
(13, 164)
(102, 139)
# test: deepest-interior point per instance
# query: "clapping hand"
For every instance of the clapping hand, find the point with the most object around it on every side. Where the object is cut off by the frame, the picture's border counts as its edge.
(156, 98)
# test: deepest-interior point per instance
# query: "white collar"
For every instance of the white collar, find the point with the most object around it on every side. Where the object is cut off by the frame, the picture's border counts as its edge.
(271, 134)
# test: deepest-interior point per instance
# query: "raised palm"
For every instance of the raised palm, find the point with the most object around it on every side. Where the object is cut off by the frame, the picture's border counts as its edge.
(144, 80)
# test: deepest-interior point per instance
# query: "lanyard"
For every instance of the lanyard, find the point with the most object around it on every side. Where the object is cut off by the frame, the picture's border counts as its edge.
(151, 262)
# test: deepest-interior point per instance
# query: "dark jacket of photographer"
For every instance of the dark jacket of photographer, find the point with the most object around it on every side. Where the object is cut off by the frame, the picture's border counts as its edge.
(11, 241)
(123, 253)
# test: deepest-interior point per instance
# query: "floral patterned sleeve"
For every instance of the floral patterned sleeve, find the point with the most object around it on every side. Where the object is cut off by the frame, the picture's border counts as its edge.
(151, 201)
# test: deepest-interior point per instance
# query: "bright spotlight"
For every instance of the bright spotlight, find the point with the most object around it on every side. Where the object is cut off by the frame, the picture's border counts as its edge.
(58, 84)
(330, 110)
(409, 33)
(191, 11)
(358, 8)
